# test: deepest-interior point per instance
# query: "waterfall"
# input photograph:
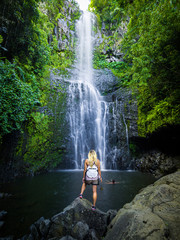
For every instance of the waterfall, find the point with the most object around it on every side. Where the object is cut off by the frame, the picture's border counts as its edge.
(88, 110)
(127, 134)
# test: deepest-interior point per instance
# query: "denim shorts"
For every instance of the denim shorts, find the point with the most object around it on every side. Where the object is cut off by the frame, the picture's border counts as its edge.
(93, 182)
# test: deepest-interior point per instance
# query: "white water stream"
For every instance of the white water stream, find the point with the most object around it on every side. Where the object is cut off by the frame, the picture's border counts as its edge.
(87, 116)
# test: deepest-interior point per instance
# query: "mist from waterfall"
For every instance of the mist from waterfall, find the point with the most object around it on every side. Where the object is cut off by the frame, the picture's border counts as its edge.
(87, 116)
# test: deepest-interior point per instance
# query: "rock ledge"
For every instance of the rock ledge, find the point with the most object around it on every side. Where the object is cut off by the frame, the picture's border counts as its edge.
(153, 214)
(77, 221)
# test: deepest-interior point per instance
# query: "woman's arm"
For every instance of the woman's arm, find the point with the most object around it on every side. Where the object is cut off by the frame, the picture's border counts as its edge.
(99, 170)
(85, 168)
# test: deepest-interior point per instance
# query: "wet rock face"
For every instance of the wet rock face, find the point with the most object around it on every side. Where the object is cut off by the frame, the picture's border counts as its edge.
(157, 163)
(113, 53)
(2, 215)
(77, 221)
(5, 195)
(64, 34)
(105, 82)
(153, 214)
(121, 119)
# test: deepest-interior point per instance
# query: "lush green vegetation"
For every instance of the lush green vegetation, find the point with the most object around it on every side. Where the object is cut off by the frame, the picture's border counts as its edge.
(30, 47)
(17, 96)
(151, 56)
(120, 69)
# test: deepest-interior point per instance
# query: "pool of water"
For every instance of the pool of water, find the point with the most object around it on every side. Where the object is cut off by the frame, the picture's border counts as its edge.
(48, 194)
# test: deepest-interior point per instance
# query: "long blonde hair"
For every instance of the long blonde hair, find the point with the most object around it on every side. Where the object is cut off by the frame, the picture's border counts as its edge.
(92, 157)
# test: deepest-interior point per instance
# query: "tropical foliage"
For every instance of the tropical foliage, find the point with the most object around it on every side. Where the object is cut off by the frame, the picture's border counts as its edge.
(29, 49)
(152, 56)
(18, 96)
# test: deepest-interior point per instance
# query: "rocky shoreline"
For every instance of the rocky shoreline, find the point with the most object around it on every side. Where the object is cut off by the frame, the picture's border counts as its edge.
(157, 163)
(153, 214)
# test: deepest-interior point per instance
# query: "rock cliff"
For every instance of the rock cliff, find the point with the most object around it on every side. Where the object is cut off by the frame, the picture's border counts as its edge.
(153, 214)
(157, 163)
(121, 118)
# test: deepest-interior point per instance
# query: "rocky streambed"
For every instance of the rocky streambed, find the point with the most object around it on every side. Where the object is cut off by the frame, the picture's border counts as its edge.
(153, 214)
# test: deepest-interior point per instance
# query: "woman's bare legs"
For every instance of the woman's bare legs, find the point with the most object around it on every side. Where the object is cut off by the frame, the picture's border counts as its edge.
(94, 194)
(83, 188)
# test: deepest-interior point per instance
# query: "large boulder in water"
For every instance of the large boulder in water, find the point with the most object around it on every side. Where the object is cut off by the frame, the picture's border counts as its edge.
(77, 221)
(153, 214)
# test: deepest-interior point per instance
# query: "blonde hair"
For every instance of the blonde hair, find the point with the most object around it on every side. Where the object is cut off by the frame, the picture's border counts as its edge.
(92, 157)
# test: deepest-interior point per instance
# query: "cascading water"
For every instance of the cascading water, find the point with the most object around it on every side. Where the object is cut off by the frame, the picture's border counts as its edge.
(87, 115)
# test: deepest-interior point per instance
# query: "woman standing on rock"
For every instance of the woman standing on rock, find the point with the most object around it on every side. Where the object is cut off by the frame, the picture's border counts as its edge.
(91, 175)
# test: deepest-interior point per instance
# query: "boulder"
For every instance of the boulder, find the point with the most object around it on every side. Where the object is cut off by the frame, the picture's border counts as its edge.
(77, 221)
(5, 195)
(2, 214)
(1, 224)
(157, 163)
(153, 214)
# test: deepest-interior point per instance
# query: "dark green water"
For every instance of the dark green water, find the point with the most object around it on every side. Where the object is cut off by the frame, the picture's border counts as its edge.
(48, 194)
